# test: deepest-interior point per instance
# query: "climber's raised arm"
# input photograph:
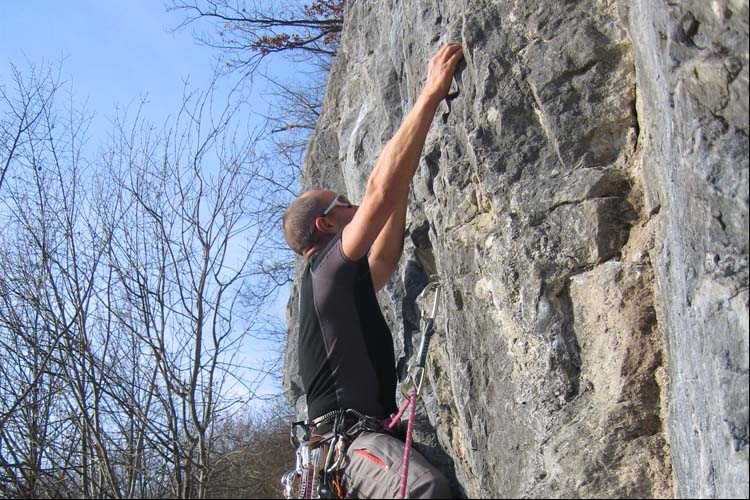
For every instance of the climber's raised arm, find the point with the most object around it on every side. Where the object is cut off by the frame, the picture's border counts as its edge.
(378, 224)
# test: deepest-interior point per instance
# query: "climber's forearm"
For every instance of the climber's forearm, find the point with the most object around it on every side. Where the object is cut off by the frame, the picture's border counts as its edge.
(388, 185)
(392, 176)
(399, 160)
(389, 181)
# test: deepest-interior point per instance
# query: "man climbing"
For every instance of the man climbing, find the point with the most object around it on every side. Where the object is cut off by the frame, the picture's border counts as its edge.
(346, 357)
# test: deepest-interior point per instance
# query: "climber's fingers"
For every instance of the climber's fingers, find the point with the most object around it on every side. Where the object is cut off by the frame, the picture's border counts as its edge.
(441, 69)
(456, 54)
(450, 53)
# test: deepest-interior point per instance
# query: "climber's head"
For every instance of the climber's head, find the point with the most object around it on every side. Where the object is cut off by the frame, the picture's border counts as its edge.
(314, 218)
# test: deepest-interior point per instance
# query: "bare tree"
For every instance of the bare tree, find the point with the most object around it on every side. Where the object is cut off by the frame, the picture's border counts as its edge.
(184, 255)
(52, 255)
(128, 285)
(22, 108)
(252, 452)
(246, 32)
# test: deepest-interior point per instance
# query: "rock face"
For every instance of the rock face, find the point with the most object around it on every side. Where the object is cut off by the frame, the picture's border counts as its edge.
(584, 199)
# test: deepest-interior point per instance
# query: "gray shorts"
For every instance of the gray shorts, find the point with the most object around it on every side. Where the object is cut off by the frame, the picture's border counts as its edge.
(374, 470)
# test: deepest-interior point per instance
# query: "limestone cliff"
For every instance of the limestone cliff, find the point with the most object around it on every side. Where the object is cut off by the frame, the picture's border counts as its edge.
(584, 198)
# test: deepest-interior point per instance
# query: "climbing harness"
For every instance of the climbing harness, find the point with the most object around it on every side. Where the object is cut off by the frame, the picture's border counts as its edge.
(321, 457)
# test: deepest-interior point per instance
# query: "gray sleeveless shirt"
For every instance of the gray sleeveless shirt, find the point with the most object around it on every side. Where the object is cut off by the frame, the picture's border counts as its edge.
(346, 353)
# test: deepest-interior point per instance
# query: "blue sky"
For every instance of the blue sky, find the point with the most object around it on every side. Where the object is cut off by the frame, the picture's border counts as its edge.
(112, 53)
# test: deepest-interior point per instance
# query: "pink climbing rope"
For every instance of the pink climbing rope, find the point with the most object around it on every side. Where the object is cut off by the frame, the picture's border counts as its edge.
(407, 446)
(396, 418)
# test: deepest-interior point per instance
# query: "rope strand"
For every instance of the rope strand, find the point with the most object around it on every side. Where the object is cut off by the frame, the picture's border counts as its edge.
(407, 446)
(397, 417)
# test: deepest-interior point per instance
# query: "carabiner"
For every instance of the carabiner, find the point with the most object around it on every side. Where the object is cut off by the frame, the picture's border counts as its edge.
(416, 372)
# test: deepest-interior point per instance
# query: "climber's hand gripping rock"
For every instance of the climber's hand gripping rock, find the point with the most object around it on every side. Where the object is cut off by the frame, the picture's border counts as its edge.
(441, 70)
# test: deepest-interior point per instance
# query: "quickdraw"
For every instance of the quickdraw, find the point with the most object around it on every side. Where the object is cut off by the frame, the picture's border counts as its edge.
(417, 370)
(416, 377)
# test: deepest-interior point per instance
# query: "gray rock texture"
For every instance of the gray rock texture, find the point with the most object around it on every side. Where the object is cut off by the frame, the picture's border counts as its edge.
(584, 198)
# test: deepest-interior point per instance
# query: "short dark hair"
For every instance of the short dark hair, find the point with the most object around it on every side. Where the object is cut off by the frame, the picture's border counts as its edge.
(298, 222)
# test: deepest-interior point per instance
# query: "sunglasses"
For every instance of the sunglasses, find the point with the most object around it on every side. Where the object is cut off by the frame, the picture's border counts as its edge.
(339, 201)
